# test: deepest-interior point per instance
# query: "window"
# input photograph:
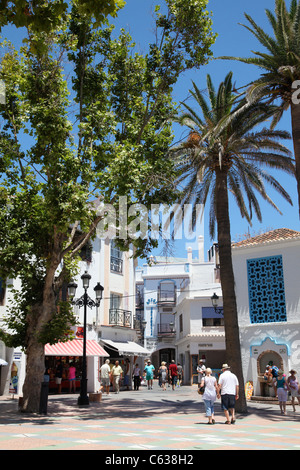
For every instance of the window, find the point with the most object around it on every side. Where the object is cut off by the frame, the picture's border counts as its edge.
(116, 258)
(115, 301)
(266, 290)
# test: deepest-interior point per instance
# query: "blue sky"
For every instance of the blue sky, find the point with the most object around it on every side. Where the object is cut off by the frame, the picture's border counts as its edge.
(233, 39)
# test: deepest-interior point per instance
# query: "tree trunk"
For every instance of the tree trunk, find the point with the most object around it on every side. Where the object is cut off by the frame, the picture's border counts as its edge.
(232, 337)
(35, 367)
(295, 114)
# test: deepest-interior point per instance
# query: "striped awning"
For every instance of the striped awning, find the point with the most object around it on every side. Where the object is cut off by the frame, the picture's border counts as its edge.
(75, 348)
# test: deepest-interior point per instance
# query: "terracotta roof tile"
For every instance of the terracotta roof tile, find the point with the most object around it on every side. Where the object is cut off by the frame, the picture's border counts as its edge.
(269, 237)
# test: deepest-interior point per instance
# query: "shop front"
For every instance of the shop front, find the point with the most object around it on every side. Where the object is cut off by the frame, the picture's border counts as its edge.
(128, 353)
(61, 356)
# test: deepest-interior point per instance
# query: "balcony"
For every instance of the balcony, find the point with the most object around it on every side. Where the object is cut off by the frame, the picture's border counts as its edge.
(119, 317)
(165, 331)
(166, 297)
(116, 265)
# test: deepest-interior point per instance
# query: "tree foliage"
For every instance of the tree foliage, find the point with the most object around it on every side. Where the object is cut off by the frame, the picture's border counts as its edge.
(46, 15)
(86, 118)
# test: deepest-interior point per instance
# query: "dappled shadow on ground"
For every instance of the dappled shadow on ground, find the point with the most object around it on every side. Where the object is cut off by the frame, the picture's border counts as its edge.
(122, 408)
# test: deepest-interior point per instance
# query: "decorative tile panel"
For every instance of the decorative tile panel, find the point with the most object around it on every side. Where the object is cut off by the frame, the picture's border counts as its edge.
(266, 290)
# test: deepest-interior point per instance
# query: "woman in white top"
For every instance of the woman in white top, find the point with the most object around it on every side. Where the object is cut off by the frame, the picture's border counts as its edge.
(210, 394)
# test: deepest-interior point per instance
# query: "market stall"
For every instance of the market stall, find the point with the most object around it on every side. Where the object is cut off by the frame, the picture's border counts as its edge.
(62, 355)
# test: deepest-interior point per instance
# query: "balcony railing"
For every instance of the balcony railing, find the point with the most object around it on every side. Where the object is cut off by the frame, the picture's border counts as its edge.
(165, 297)
(119, 317)
(164, 330)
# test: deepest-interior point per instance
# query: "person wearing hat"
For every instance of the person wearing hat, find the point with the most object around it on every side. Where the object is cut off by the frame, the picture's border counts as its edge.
(149, 369)
(229, 391)
(280, 387)
(294, 387)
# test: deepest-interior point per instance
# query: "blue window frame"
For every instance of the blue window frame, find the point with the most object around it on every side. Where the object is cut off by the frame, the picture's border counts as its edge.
(266, 290)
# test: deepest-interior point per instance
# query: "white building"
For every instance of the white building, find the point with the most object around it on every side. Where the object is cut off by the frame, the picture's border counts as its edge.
(266, 269)
(110, 329)
(181, 322)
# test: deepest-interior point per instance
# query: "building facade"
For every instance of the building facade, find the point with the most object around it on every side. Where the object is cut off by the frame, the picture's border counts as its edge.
(268, 300)
(112, 326)
(175, 302)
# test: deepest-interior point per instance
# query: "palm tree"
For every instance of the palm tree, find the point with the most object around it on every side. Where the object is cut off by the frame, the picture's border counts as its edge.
(223, 153)
(281, 66)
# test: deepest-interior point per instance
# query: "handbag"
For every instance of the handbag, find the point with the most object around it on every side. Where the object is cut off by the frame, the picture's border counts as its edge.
(201, 390)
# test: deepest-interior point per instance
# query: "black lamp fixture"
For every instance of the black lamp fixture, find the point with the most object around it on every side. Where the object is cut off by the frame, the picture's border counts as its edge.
(214, 301)
(85, 301)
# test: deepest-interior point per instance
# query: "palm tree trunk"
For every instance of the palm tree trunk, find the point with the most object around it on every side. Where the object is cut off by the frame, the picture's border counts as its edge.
(295, 114)
(232, 337)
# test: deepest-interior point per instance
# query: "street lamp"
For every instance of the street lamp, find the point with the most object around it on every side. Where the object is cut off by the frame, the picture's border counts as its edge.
(214, 301)
(85, 301)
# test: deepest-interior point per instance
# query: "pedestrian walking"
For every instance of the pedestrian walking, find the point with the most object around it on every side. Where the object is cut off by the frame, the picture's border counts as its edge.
(201, 371)
(127, 374)
(281, 387)
(163, 372)
(72, 378)
(105, 376)
(149, 369)
(294, 387)
(116, 373)
(136, 377)
(173, 371)
(58, 375)
(211, 392)
(179, 374)
(229, 391)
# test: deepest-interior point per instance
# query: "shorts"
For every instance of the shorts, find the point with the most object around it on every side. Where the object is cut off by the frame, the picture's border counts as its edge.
(58, 380)
(227, 402)
(105, 381)
(174, 379)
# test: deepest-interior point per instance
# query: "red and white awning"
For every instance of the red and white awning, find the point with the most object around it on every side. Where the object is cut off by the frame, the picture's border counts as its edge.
(75, 348)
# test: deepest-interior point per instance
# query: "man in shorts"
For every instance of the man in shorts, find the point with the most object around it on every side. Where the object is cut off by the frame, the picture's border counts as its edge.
(229, 391)
(58, 375)
(105, 376)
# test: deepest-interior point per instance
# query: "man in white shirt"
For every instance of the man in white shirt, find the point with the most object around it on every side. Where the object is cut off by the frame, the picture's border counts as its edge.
(229, 390)
(105, 376)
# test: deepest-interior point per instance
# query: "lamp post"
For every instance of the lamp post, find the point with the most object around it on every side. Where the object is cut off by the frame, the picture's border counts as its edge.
(144, 324)
(214, 301)
(85, 301)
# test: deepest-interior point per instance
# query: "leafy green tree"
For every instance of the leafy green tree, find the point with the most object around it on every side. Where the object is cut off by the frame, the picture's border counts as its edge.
(223, 154)
(52, 169)
(280, 65)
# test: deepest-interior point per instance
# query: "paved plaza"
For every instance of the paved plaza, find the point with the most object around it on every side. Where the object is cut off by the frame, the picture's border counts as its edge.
(146, 420)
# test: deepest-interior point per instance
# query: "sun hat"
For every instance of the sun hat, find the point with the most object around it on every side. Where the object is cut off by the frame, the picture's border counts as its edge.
(292, 371)
(280, 372)
(225, 366)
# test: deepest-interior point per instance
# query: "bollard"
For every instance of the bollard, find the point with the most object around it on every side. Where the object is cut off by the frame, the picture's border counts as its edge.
(44, 398)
